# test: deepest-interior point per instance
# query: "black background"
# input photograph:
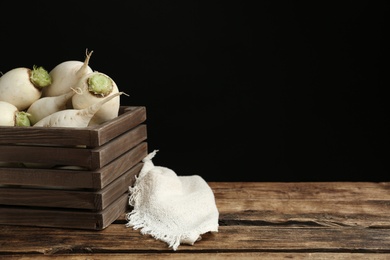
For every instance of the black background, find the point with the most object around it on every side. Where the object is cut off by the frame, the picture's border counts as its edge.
(277, 91)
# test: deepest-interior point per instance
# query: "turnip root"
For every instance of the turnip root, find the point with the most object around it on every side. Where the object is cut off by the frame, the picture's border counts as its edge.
(66, 74)
(22, 86)
(48, 105)
(11, 116)
(93, 87)
(74, 117)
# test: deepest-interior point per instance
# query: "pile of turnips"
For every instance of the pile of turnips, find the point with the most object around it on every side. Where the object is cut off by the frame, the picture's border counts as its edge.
(70, 95)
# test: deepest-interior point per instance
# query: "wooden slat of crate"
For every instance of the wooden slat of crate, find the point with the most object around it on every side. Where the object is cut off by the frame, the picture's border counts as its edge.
(91, 158)
(64, 218)
(129, 118)
(113, 170)
(95, 136)
(76, 199)
(102, 155)
(74, 179)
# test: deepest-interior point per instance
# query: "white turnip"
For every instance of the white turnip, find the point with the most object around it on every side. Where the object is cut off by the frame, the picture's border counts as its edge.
(66, 74)
(73, 117)
(48, 105)
(11, 116)
(92, 88)
(22, 86)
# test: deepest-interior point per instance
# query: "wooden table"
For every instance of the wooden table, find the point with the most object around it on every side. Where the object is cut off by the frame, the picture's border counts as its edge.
(333, 220)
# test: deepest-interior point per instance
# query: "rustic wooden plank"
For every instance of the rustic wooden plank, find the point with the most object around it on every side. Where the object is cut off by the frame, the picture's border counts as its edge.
(48, 155)
(300, 214)
(104, 154)
(287, 224)
(117, 187)
(129, 118)
(74, 179)
(91, 158)
(75, 199)
(304, 190)
(323, 204)
(205, 255)
(60, 218)
(44, 135)
(90, 136)
(126, 161)
(117, 238)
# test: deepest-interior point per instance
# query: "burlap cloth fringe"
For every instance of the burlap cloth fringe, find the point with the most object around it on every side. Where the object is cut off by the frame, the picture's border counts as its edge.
(174, 209)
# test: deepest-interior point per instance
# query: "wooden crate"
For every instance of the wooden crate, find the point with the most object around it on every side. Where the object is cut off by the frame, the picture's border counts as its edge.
(75, 177)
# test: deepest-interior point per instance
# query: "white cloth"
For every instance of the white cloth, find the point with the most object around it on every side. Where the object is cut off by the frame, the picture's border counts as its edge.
(174, 209)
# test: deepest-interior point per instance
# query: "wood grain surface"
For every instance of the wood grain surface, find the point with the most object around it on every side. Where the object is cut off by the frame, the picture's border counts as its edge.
(324, 220)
